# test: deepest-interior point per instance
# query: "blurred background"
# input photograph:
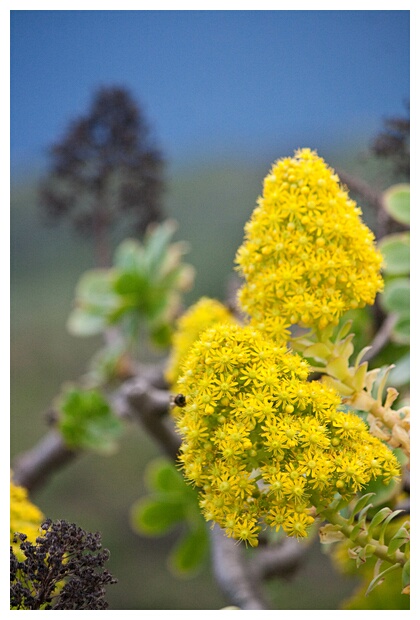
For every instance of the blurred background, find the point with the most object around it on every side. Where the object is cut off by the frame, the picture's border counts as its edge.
(225, 93)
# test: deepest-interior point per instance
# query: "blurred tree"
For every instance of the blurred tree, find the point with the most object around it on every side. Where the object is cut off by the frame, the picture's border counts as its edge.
(393, 144)
(105, 174)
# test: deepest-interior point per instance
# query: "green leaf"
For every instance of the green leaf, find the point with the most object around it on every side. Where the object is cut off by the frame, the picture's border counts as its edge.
(388, 597)
(156, 245)
(380, 516)
(338, 368)
(87, 421)
(396, 296)
(401, 330)
(130, 283)
(360, 504)
(83, 322)
(190, 553)
(129, 256)
(379, 578)
(406, 574)
(95, 289)
(154, 517)
(396, 201)
(357, 528)
(330, 533)
(318, 351)
(382, 493)
(385, 525)
(396, 251)
(161, 475)
(161, 335)
(398, 540)
(400, 374)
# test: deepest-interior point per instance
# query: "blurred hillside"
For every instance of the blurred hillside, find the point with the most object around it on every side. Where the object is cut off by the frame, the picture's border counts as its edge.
(211, 203)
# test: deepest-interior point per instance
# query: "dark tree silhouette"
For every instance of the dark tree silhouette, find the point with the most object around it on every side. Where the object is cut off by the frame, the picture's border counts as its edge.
(105, 176)
(393, 143)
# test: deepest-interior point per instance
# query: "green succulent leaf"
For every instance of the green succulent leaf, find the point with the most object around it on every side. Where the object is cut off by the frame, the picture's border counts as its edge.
(381, 494)
(401, 537)
(396, 296)
(141, 291)
(161, 475)
(87, 421)
(94, 290)
(406, 574)
(401, 330)
(191, 551)
(396, 251)
(360, 504)
(156, 245)
(131, 283)
(84, 322)
(154, 517)
(380, 516)
(396, 202)
(161, 334)
(379, 578)
(400, 374)
(129, 256)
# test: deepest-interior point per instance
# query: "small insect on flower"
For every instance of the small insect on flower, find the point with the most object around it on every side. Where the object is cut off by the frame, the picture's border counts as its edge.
(179, 400)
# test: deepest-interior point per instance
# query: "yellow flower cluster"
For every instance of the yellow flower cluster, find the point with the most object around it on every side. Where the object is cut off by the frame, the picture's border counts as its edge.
(25, 517)
(205, 313)
(307, 256)
(262, 443)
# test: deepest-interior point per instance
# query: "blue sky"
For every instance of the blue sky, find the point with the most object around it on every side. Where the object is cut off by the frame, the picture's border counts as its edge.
(211, 83)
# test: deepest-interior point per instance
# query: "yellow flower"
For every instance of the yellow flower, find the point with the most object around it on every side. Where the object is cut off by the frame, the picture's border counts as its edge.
(266, 452)
(25, 517)
(307, 257)
(201, 315)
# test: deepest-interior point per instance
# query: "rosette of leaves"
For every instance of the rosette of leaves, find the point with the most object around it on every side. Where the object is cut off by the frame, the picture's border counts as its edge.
(395, 298)
(170, 503)
(142, 289)
(87, 421)
(396, 250)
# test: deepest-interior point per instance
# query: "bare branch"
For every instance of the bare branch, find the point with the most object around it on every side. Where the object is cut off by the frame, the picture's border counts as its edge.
(33, 468)
(232, 572)
(360, 187)
(149, 406)
(280, 560)
(136, 399)
(381, 338)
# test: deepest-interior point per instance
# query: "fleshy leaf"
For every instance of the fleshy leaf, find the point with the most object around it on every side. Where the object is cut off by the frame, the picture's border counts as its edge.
(190, 553)
(396, 251)
(361, 503)
(154, 517)
(401, 330)
(162, 476)
(87, 421)
(82, 322)
(330, 533)
(379, 578)
(406, 575)
(398, 540)
(396, 202)
(396, 296)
